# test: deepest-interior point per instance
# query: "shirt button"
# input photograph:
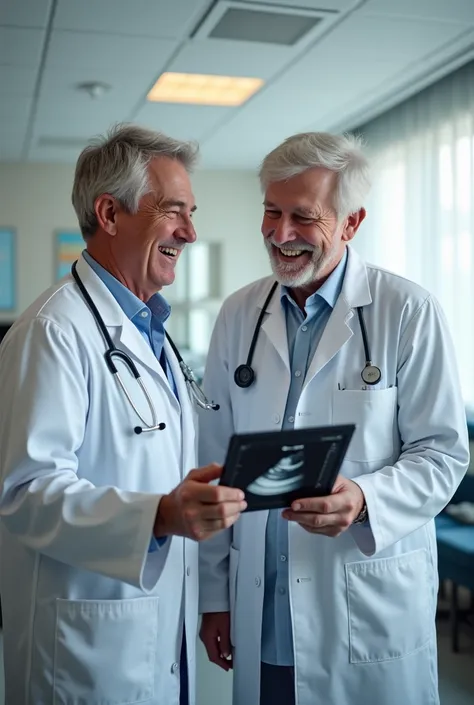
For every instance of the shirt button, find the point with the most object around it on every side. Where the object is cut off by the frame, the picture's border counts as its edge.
(298, 373)
(282, 591)
(144, 314)
(283, 558)
(291, 419)
(276, 418)
(304, 328)
(258, 582)
(175, 668)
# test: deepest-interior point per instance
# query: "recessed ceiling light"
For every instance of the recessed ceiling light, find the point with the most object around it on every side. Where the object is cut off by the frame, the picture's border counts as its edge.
(202, 89)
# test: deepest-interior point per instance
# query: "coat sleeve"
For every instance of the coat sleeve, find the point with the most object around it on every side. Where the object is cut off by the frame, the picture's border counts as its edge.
(215, 430)
(43, 502)
(433, 430)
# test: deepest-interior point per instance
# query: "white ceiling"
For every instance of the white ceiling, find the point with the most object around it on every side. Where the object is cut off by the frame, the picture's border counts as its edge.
(363, 58)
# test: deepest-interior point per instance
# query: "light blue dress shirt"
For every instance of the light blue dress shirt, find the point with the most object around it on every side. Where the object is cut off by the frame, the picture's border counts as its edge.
(150, 320)
(304, 334)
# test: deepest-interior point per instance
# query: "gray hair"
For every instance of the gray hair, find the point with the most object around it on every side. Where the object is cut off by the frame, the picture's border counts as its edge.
(117, 164)
(342, 154)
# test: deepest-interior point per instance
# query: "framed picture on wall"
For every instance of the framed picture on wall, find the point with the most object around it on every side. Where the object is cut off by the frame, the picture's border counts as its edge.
(7, 269)
(69, 246)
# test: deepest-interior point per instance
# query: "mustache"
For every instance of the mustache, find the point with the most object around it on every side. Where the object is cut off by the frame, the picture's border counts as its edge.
(293, 246)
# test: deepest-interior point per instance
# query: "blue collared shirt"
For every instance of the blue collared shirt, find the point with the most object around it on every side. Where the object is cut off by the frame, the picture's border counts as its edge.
(304, 334)
(149, 318)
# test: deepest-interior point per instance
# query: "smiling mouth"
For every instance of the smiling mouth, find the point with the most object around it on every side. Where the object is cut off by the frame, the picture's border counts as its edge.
(292, 255)
(171, 252)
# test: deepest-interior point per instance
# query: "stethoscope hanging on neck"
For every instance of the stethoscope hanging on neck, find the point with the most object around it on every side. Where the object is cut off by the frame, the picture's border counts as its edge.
(244, 375)
(113, 352)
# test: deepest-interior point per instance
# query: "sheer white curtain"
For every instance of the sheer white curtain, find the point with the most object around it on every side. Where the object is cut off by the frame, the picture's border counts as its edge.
(420, 220)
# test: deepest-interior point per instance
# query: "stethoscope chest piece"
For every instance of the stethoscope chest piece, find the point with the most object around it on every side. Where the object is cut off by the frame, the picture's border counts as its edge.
(371, 374)
(244, 376)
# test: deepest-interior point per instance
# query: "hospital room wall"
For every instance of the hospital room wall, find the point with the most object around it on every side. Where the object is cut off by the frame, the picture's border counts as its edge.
(35, 199)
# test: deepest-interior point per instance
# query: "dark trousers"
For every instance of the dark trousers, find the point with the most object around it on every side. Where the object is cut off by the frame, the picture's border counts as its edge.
(277, 685)
(183, 669)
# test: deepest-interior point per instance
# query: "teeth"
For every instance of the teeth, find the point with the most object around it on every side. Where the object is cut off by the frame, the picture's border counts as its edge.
(291, 253)
(168, 251)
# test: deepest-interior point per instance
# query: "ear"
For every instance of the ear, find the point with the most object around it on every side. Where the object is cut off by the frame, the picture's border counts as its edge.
(352, 224)
(106, 208)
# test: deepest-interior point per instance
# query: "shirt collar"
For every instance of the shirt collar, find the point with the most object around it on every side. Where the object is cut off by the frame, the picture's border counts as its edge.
(129, 303)
(329, 291)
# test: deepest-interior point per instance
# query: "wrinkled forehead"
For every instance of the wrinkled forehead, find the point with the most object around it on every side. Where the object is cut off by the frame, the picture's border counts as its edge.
(313, 188)
(169, 180)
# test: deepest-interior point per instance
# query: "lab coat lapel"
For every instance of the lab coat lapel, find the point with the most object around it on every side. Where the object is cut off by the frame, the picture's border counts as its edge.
(274, 325)
(355, 292)
(122, 331)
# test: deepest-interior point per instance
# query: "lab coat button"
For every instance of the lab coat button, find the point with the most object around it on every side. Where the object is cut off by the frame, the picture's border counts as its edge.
(258, 582)
(175, 668)
(276, 418)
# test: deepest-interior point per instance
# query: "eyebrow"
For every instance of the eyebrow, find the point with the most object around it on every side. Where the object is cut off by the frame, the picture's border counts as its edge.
(300, 210)
(178, 204)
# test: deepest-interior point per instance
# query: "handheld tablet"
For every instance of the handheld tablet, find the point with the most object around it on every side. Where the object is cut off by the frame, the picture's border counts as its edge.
(274, 468)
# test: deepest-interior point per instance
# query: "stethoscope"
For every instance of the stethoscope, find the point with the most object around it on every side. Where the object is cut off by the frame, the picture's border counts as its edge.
(244, 375)
(113, 352)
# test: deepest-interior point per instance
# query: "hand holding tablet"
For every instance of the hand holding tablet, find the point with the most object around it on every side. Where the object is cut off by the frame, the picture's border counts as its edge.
(275, 468)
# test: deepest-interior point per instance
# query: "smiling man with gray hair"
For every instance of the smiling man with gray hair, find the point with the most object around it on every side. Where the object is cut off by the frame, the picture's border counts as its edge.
(333, 600)
(100, 507)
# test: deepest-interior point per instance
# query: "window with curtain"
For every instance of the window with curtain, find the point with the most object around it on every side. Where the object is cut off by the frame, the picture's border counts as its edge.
(420, 215)
(195, 298)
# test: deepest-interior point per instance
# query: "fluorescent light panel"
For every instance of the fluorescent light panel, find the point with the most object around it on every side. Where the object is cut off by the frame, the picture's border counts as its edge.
(202, 89)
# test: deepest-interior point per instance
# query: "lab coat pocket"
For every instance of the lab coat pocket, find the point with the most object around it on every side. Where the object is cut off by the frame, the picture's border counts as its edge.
(388, 609)
(105, 651)
(233, 566)
(375, 414)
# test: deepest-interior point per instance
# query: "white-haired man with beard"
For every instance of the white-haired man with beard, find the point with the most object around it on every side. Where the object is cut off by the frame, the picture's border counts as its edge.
(332, 601)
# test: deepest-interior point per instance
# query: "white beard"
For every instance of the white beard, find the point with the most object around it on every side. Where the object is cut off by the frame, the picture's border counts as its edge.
(295, 276)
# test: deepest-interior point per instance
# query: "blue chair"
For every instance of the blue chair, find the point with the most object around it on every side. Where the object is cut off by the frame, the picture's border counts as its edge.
(456, 555)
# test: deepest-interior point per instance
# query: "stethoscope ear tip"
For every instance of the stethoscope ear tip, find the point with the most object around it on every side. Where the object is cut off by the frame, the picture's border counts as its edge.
(138, 430)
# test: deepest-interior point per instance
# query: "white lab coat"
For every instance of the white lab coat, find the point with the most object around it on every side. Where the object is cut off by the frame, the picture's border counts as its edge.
(90, 616)
(363, 604)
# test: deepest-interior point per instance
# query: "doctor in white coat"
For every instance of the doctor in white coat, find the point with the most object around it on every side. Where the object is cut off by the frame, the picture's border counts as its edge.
(99, 576)
(333, 601)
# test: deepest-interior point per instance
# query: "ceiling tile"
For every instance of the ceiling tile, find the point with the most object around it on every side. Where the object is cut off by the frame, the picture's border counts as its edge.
(152, 18)
(17, 80)
(14, 110)
(21, 47)
(11, 144)
(77, 116)
(88, 51)
(230, 58)
(181, 121)
(441, 10)
(25, 13)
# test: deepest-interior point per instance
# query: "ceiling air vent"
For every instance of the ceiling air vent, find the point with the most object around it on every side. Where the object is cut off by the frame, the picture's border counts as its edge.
(262, 23)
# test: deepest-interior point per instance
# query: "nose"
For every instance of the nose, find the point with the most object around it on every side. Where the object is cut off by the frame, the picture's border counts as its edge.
(187, 232)
(280, 231)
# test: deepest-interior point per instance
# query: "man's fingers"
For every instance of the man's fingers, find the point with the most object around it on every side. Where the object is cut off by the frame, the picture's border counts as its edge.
(224, 510)
(206, 474)
(317, 521)
(214, 653)
(321, 505)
